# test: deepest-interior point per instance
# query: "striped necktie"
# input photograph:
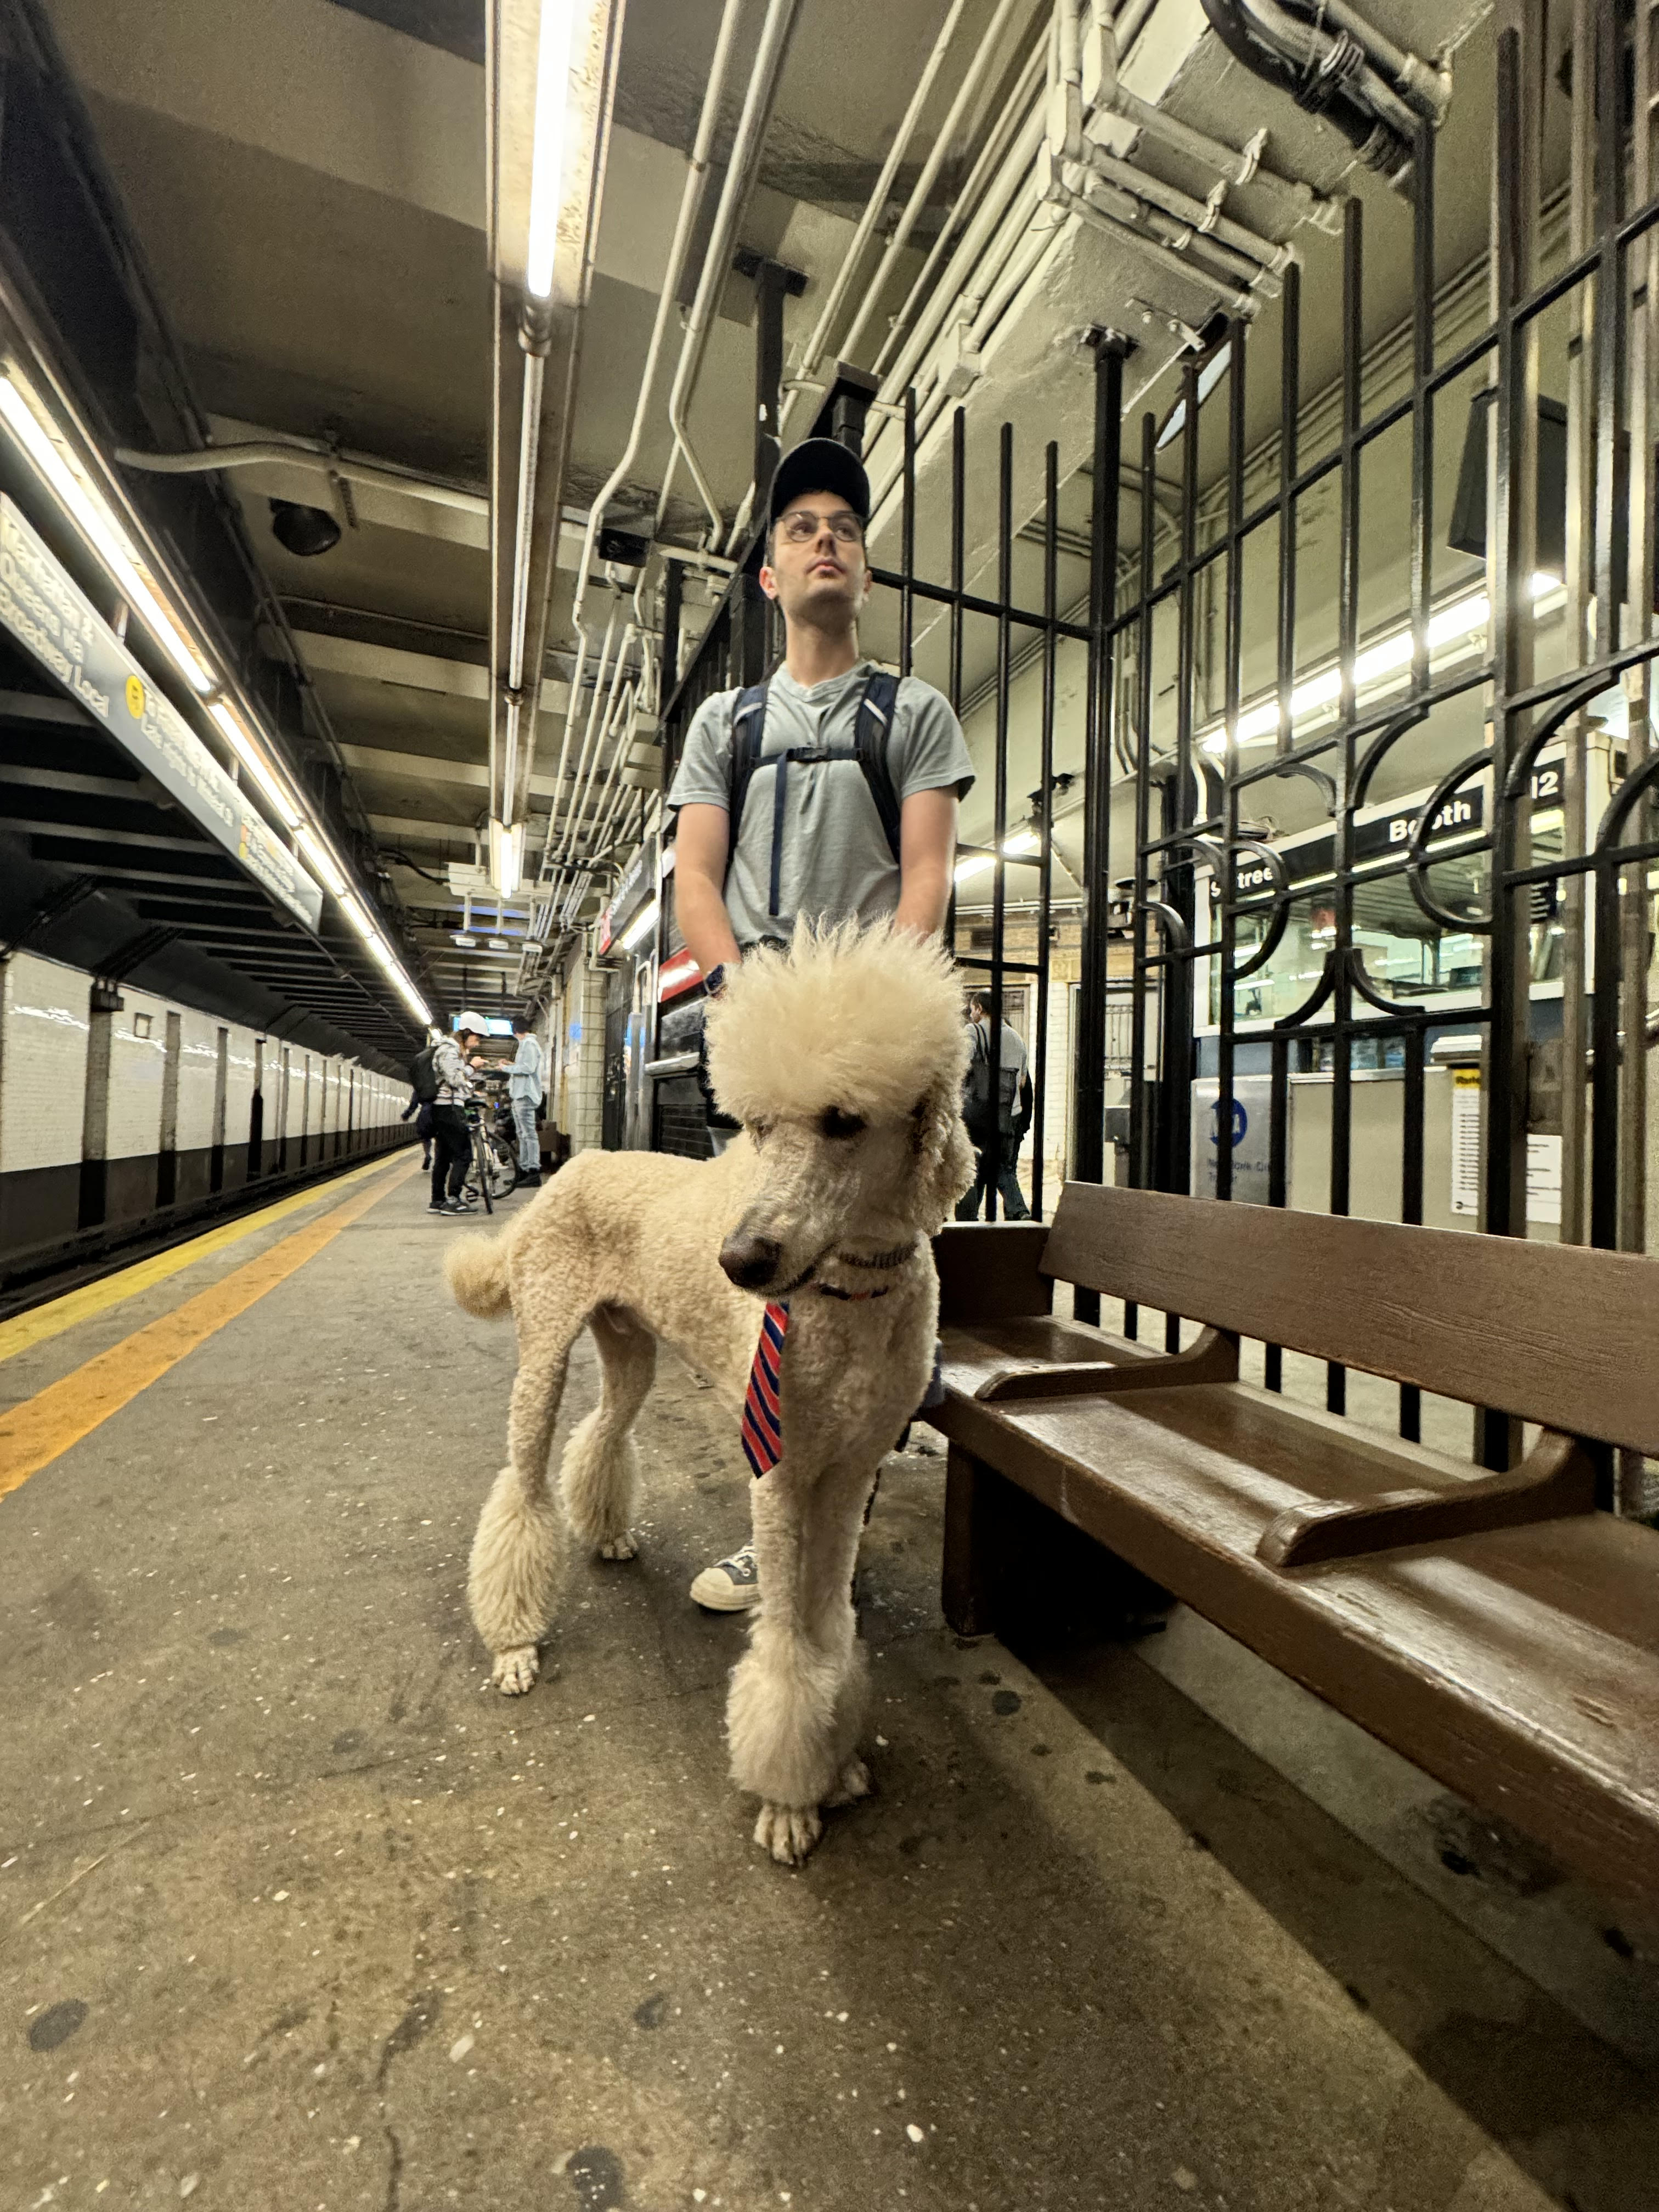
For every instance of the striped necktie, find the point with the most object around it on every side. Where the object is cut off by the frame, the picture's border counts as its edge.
(763, 1409)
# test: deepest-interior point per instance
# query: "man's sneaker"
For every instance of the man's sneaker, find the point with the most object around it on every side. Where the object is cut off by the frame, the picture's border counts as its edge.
(730, 1585)
(440, 1206)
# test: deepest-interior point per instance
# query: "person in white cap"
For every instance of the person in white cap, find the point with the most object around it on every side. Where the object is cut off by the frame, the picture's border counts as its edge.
(452, 1145)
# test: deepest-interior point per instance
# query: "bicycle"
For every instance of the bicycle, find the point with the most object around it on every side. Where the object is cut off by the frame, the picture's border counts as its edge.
(495, 1167)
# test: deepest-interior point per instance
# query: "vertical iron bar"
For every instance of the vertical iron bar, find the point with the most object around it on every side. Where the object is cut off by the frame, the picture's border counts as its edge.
(1289, 383)
(1235, 653)
(1141, 1116)
(1411, 1193)
(907, 537)
(958, 524)
(1279, 1130)
(1574, 757)
(1176, 1078)
(999, 821)
(1336, 1381)
(1638, 286)
(1046, 814)
(1509, 563)
(1089, 1060)
(1423, 264)
(1604, 1069)
(1610, 416)
(1089, 1078)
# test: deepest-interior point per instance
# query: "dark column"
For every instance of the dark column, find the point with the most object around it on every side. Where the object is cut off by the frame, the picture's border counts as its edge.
(220, 1071)
(774, 284)
(166, 1165)
(1089, 1063)
(94, 1113)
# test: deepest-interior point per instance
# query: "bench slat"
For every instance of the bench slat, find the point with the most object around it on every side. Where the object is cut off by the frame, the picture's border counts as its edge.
(1553, 1333)
(1521, 1668)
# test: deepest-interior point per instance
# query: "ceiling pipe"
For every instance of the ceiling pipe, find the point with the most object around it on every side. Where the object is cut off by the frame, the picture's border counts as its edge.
(810, 355)
(691, 197)
(697, 178)
(1329, 72)
(771, 53)
(307, 453)
(989, 51)
(1003, 159)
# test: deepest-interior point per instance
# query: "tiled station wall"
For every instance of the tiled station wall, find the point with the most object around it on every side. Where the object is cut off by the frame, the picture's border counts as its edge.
(153, 1108)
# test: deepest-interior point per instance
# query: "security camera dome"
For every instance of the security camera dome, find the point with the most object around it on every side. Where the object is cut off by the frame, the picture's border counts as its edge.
(303, 530)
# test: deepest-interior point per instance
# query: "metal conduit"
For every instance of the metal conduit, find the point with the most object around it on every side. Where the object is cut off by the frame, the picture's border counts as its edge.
(1001, 154)
(771, 53)
(209, 460)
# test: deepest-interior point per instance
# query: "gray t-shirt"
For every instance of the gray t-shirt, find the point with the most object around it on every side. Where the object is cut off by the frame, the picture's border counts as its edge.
(836, 862)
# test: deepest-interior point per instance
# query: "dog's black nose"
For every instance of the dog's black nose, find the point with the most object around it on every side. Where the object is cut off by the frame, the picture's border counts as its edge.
(750, 1261)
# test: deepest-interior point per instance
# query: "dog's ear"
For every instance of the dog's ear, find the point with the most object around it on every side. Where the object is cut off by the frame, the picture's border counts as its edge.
(945, 1163)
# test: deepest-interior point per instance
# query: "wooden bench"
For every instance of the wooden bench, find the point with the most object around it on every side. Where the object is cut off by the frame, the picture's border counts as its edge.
(1498, 1630)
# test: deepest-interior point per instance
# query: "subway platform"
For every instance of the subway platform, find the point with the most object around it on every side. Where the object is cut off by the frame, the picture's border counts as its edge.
(296, 1912)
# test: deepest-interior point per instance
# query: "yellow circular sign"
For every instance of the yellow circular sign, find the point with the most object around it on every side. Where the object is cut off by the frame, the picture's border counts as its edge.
(135, 697)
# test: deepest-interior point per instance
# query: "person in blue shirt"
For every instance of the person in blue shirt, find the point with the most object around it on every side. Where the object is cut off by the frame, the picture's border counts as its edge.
(526, 1087)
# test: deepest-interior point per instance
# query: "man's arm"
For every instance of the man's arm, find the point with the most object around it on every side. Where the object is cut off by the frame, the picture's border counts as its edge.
(927, 848)
(700, 842)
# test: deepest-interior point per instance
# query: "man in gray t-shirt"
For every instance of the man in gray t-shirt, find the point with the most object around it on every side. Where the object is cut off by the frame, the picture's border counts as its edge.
(823, 853)
(834, 860)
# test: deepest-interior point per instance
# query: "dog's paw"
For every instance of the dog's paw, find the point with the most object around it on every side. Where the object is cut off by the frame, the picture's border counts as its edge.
(515, 1671)
(852, 1784)
(619, 1547)
(788, 1832)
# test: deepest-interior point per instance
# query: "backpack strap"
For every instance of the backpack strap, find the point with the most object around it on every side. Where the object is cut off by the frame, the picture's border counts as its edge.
(748, 736)
(875, 723)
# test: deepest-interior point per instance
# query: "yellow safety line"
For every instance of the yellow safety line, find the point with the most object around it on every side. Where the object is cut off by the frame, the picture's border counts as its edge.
(42, 1322)
(33, 1434)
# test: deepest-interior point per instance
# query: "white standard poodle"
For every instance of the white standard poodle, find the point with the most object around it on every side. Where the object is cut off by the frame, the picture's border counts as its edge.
(844, 1059)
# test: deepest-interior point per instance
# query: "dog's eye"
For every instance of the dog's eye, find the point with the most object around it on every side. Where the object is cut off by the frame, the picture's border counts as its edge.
(759, 1131)
(838, 1123)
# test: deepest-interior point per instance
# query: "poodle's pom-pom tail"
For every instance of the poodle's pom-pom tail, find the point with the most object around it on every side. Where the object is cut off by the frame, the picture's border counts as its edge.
(476, 1270)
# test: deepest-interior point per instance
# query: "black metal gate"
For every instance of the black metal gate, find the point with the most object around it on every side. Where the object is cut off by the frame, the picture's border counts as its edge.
(1521, 848)
(1535, 842)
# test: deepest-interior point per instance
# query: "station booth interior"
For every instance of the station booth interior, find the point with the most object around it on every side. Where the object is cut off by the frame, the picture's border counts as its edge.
(1259, 408)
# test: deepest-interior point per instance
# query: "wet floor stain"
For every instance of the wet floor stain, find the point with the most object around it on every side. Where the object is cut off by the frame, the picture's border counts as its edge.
(416, 2024)
(597, 2176)
(653, 2012)
(56, 2025)
(1005, 1701)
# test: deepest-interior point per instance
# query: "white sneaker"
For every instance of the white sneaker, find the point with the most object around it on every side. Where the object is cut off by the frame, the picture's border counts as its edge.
(730, 1585)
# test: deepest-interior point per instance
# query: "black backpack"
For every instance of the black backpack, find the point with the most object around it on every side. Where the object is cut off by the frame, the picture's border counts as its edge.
(423, 1077)
(868, 749)
(977, 1094)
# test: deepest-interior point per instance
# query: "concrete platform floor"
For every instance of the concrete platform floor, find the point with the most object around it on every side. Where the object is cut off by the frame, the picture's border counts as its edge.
(294, 1912)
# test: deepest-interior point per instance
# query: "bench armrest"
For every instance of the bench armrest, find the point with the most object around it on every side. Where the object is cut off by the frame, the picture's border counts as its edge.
(991, 1271)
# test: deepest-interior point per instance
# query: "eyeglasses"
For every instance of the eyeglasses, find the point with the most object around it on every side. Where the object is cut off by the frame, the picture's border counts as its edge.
(801, 526)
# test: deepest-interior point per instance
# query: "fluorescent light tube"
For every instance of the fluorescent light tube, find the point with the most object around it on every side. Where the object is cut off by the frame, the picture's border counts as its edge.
(505, 856)
(640, 927)
(228, 723)
(86, 507)
(322, 861)
(1457, 628)
(547, 157)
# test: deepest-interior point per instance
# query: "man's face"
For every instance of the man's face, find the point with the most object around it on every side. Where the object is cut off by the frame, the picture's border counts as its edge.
(816, 570)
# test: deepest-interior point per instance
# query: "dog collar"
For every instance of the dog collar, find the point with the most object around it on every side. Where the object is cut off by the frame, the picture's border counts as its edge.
(896, 1257)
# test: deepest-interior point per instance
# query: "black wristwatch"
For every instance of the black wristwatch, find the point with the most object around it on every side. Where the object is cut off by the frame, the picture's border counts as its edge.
(714, 982)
